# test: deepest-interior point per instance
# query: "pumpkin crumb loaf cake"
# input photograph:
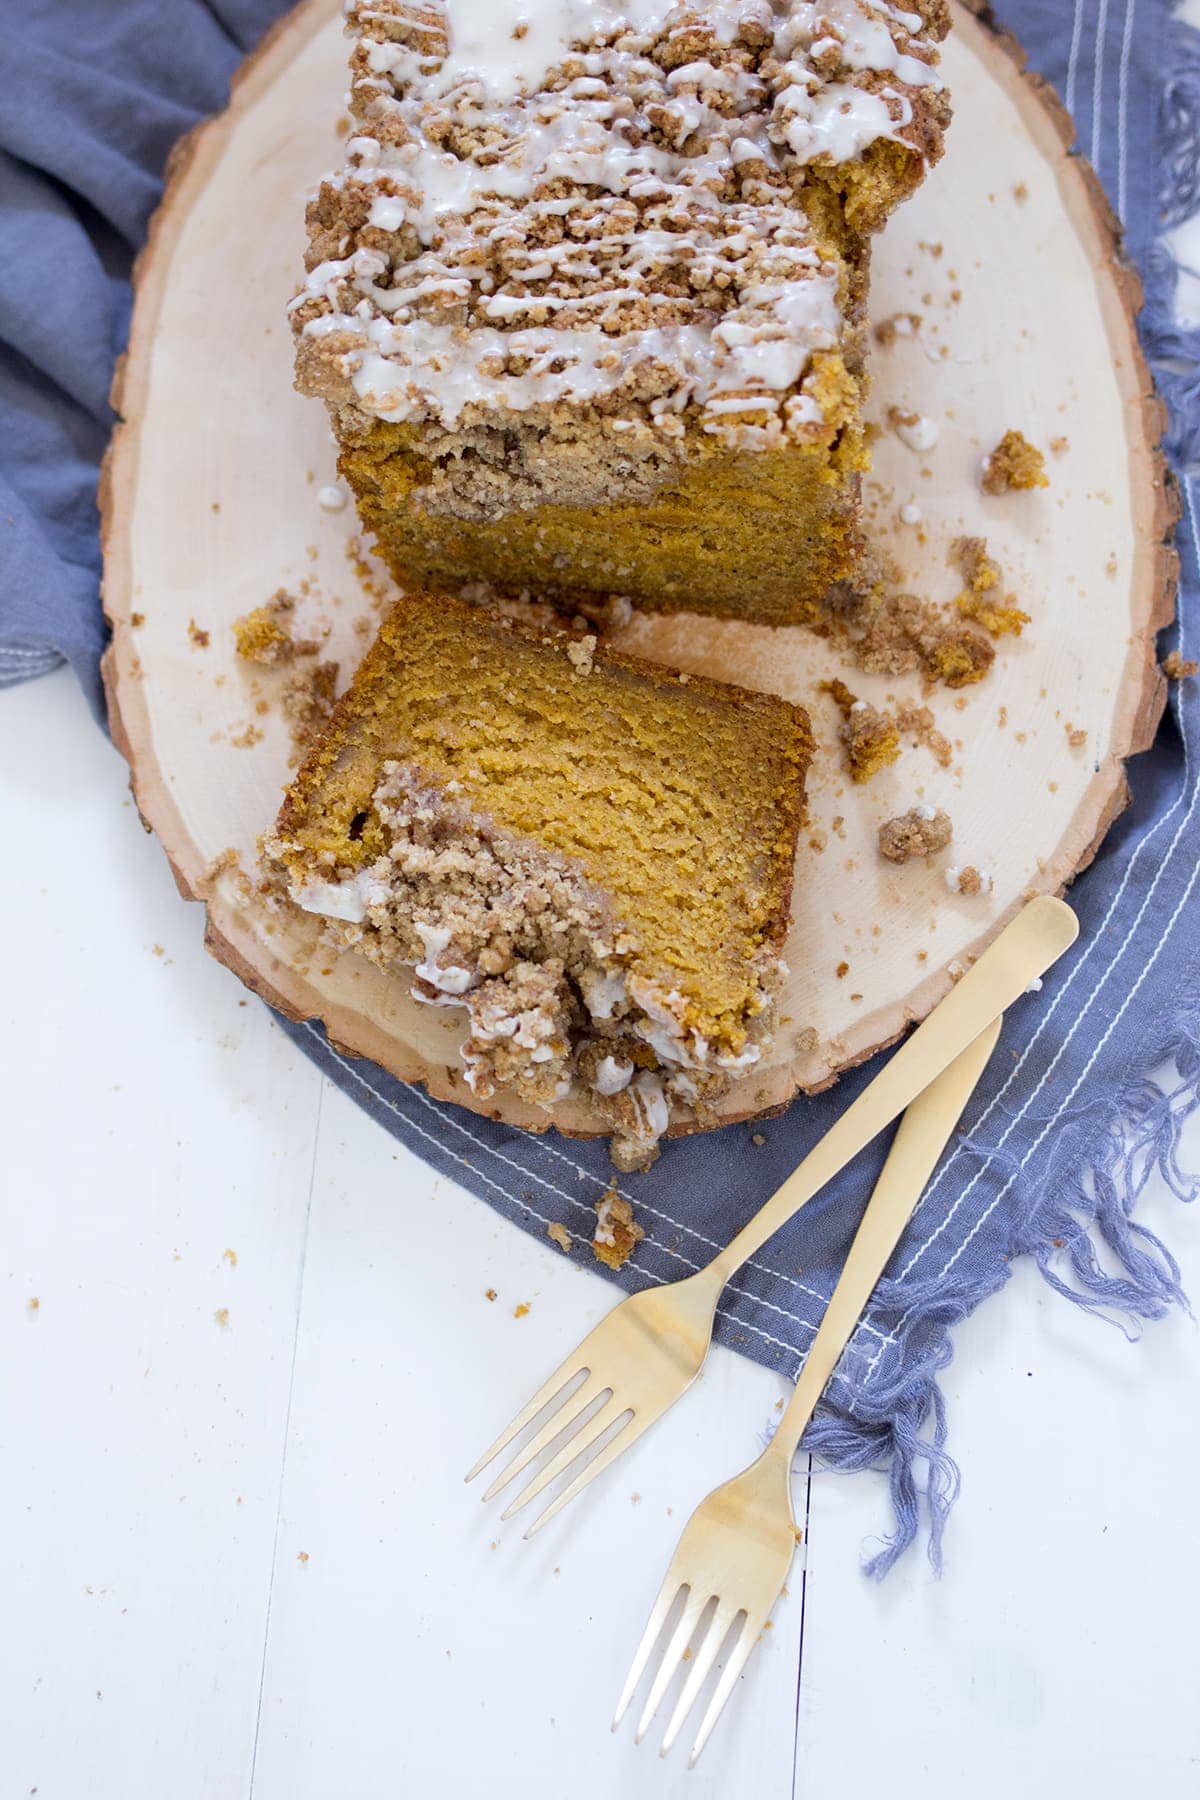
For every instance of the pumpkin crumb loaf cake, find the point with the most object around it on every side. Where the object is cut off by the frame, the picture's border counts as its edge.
(592, 856)
(586, 300)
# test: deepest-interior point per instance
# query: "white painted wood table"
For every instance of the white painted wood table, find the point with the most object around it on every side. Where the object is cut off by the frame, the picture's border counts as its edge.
(246, 1356)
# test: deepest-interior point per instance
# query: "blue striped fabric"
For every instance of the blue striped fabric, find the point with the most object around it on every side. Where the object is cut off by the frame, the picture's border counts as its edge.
(1060, 1138)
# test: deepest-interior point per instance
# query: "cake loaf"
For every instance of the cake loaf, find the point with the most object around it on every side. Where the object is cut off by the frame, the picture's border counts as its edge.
(586, 300)
(591, 856)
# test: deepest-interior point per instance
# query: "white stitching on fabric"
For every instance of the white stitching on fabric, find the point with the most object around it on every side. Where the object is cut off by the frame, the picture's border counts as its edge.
(643, 1205)
(742, 1324)
(1126, 46)
(1098, 81)
(1073, 58)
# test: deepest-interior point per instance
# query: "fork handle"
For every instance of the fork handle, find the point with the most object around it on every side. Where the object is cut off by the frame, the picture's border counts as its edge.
(1026, 947)
(923, 1134)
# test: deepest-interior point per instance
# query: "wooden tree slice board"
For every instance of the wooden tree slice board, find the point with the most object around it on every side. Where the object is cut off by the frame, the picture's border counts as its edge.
(210, 502)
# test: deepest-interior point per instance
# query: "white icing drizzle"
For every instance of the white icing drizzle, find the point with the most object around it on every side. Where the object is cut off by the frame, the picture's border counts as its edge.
(555, 210)
(448, 978)
(918, 432)
(613, 1075)
(348, 900)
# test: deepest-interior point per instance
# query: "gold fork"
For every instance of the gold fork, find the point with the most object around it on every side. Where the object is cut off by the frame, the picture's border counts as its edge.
(649, 1349)
(737, 1547)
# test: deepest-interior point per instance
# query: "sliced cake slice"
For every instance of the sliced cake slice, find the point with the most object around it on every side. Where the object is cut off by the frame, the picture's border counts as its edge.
(586, 301)
(590, 854)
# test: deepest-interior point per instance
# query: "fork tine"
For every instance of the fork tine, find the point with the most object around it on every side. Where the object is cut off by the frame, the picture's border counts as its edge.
(564, 1419)
(618, 1443)
(668, 1593)
(702, 1663)
(565, 1372)
(689, 1618)
(591, 1429)
(738, 1658)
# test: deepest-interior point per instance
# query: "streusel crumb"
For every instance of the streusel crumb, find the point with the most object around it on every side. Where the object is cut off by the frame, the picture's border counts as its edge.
(978, 601)
(1014, 465)
(922, 831)
(869, 737)
(617, 1232)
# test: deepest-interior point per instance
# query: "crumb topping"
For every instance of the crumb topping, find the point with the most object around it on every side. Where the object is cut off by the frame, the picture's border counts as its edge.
(869, 737)
(617, 1233)
(922, 831)
(1014, 465)
(307, 700)
(609, 206)
(969, 880)
(520, 938)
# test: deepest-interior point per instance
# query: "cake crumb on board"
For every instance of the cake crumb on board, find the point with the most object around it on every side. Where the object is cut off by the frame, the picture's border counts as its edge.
(969, 555)
(264, 635)
(920, 832)
(869, 737)
(1014, 466)
(617, 1233)
(1178, 668)
(968, 880)
(559, 1235)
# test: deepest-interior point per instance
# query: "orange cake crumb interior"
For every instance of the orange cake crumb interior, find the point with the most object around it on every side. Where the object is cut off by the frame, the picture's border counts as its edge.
(680, 806)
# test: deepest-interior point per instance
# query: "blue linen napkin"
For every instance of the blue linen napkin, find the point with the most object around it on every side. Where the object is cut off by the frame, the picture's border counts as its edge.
(1062, 1135)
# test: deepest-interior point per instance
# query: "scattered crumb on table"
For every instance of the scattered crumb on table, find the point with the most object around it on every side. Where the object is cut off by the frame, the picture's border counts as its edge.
(559, 1235)
(1178, 668)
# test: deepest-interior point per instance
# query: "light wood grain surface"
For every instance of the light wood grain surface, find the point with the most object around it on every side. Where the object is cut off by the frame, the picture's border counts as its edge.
(165, 1475)
(204, 524)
